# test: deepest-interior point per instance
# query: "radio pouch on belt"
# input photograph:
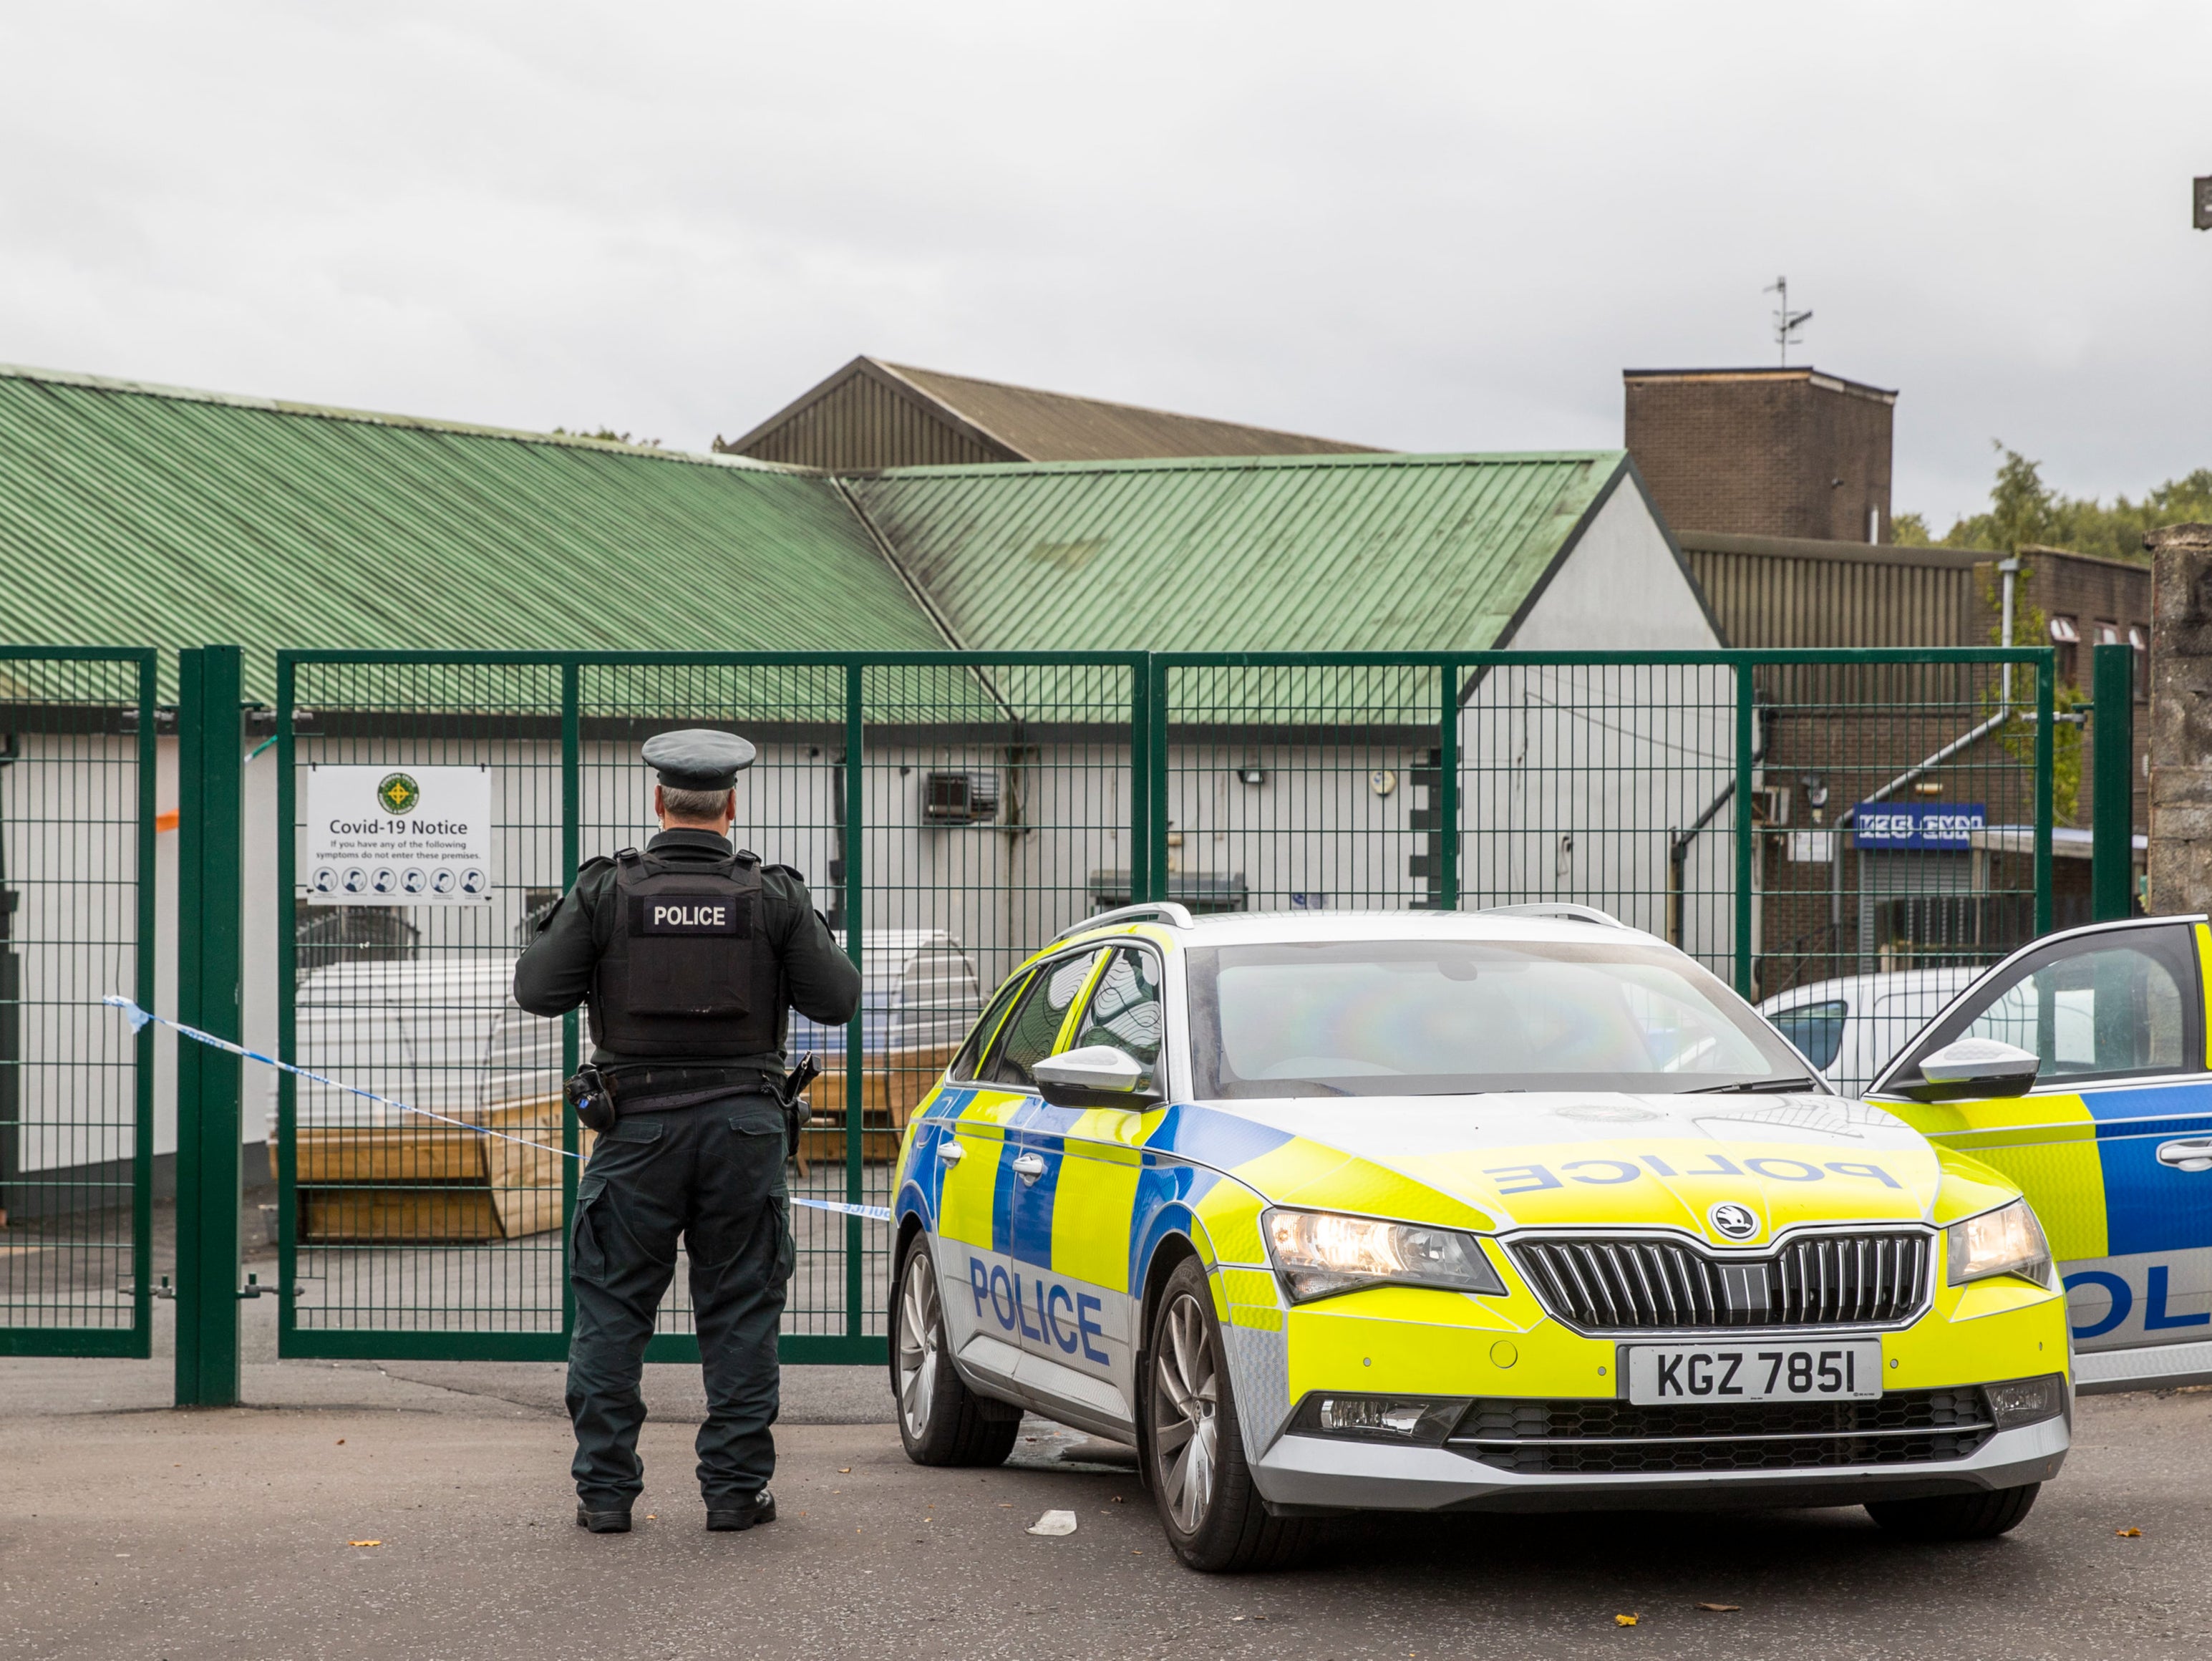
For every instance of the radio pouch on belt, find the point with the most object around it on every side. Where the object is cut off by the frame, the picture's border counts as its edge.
(588, 1092)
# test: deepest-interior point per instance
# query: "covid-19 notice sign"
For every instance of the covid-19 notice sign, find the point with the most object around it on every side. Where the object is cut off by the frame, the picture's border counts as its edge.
(398, 836)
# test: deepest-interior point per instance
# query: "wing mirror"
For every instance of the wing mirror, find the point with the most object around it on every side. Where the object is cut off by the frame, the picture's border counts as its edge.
(1096, 1075)
(1974, 1067)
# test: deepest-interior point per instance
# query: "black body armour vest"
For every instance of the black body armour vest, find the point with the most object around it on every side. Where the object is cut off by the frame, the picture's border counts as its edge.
(688, 971)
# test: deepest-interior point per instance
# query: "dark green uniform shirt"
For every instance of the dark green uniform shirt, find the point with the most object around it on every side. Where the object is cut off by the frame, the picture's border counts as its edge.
(819, 981)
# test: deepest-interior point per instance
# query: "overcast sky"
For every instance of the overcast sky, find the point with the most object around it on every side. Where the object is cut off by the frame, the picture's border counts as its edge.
(1440, 226)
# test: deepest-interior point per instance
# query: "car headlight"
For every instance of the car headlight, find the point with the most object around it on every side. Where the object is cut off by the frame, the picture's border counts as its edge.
(2006, 1241)
(1320, 1254)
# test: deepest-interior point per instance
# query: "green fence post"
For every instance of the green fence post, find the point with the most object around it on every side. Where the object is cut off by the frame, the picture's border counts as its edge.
(1158, 886)
(856, 1031)
(1140, 779)
(149, 924)
(1745, 685)
(286, 1129)
(1445, 796)
(210, 875)
(571, 836)
(2112, 826)
(2046, 669)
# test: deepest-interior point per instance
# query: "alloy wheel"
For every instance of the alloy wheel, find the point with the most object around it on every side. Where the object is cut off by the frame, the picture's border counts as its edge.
(1185, 1416)
(918, 1352)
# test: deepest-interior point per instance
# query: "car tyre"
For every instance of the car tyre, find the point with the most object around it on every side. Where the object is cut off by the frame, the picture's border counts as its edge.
(941, 1420)
(1194, 1449)
(1956, 1515)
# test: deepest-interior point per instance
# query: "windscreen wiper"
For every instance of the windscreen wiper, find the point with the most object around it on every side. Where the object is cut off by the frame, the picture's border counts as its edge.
(1755, 1088)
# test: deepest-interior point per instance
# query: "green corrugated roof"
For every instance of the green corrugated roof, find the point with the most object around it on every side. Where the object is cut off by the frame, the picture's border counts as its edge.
(1302, 553)
(153, 516)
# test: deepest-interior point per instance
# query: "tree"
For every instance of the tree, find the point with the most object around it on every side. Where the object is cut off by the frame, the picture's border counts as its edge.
(2024, 510)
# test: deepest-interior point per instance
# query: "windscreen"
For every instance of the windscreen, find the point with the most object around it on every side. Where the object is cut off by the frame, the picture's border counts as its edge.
(1445, 1017)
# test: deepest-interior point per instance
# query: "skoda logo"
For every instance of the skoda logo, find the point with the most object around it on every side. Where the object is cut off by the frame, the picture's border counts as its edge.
(1734, 1221)
(397, 794)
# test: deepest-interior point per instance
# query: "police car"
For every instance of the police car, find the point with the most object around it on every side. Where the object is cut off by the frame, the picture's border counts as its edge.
(1518, 1209)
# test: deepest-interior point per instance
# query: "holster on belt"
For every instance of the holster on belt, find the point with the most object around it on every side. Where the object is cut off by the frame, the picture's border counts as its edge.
(796, 1112)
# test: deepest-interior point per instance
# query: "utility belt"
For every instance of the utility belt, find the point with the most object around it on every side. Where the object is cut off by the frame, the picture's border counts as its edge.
(603, 1096)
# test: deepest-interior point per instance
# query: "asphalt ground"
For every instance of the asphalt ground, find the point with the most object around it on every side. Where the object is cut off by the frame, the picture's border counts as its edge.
(135, 1530)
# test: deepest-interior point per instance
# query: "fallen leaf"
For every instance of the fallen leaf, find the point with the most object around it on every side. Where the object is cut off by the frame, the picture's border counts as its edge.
(340, 1441)
(844, 1471)
(364, 1542)
(1625, 1619)
(1721, 1608)
(1117, 1500)
(1054, 1523)
(2129, 1534)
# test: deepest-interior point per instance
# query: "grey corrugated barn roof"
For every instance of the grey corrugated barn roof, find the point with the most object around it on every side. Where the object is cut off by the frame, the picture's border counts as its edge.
(872, 415)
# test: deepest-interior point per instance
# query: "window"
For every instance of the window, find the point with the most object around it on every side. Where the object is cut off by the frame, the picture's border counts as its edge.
(2066, 638)
(1449, 1018)
(1124, 1011)
(2097, 1008)
(1029, 1034)
(1815, 1028)
(964, 1064)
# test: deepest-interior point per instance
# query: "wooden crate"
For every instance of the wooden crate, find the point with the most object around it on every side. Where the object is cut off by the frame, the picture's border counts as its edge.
(891, 1088)
(424, 1183)
(427, 1183)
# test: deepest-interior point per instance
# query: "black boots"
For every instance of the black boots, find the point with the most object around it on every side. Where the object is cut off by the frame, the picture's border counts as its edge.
(748, 1513)
(761, 1508)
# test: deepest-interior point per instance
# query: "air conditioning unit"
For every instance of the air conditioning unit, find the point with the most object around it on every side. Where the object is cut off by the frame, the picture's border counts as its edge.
(959, 798)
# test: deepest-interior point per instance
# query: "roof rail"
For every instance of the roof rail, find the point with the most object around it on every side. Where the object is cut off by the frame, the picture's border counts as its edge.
(1166, 911)
(1560, 908)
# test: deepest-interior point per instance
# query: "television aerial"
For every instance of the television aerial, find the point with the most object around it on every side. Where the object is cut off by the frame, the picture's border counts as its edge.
(1786, 322)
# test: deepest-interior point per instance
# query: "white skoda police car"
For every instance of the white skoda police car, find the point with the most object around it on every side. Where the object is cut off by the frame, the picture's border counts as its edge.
(1508, 1210)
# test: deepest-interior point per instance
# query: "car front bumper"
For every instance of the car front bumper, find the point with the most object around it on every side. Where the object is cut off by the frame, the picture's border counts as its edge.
(1309, 1474)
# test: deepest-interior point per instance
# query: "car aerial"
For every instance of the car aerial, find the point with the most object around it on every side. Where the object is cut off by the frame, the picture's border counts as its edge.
(2078, 1068)
(1510, 1210)
(1852, 1027)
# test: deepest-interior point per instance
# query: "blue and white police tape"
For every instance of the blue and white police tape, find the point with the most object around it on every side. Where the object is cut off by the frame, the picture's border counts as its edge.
(139, 1017)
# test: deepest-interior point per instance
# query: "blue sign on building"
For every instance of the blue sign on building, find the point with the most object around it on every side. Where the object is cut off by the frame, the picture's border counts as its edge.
(1898, 826)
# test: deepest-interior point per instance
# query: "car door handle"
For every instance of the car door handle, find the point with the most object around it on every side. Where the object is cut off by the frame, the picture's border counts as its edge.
(2192, 1154)
(1029, 1166)
(949, 1151)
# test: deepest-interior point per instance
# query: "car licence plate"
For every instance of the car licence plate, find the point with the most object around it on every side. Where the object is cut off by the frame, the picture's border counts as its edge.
(1846, 1370)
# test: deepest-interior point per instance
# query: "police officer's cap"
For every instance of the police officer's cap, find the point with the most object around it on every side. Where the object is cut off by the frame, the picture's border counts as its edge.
(698, 758)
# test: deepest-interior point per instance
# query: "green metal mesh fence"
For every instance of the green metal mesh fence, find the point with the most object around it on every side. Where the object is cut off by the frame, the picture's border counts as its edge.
(76, 1086)
(1788, 819)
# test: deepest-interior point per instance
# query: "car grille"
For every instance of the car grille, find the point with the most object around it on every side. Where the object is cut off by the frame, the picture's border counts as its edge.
(1614, 1437)
(1642, 1285)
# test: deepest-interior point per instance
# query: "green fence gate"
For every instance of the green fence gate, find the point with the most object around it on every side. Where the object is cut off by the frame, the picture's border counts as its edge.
(1787, 817)
(77, 768)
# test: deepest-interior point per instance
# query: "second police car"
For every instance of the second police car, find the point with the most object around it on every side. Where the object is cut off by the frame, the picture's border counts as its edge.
(1498, 1210)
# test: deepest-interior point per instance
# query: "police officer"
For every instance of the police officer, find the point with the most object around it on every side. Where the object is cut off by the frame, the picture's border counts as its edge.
(689, 954)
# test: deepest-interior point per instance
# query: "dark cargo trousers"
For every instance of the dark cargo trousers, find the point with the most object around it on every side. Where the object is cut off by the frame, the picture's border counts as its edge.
(713, 1175)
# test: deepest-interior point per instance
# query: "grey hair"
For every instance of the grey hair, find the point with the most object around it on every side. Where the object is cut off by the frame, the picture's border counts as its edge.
(693, 804)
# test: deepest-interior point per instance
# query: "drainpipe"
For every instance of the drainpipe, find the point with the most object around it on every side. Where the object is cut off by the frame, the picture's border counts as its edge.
(2009, 570)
